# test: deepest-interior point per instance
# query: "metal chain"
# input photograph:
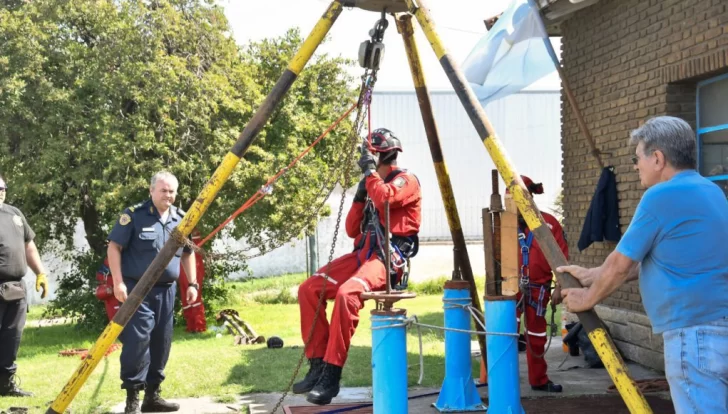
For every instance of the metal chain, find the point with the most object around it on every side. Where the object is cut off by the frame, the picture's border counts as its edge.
(368, 81)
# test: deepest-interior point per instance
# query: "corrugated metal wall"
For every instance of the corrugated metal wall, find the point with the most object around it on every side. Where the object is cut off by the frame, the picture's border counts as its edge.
(528, 124)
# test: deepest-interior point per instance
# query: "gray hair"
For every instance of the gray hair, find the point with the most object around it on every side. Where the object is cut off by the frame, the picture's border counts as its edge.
(670, 135)
(164, 175)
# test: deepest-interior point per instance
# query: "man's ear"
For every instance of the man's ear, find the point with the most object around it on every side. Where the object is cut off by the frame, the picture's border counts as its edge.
(660, 161)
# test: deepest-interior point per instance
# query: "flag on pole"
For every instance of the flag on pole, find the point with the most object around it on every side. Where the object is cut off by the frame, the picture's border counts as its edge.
(514, 53)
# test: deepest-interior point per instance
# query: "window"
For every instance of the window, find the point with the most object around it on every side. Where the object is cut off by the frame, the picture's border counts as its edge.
(712, 107)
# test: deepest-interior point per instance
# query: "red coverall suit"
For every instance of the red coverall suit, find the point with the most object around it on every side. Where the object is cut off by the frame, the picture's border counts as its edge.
(357, 272)
(540, 279)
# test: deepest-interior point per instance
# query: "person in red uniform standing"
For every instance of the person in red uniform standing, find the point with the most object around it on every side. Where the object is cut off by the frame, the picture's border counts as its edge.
(362, 270)
(537, 275)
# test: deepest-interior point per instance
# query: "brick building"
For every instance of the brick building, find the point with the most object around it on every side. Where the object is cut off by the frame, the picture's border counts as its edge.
(627, 61)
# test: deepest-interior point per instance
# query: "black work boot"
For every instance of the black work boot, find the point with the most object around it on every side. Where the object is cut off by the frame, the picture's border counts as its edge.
(132, 402)
(327, 387)
(10, 388)
(548, 387)
(154, 403)
(312, 376)
(521, 343)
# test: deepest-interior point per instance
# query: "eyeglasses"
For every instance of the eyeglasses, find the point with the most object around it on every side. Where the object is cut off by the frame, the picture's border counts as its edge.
(3, 188)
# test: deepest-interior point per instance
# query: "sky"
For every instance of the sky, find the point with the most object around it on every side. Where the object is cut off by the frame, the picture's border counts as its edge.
(459, 24)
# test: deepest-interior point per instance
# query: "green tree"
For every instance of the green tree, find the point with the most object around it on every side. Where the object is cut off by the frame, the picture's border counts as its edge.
(97, 95)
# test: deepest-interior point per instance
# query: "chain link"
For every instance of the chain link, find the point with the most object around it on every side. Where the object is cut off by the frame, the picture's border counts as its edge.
(368, 81)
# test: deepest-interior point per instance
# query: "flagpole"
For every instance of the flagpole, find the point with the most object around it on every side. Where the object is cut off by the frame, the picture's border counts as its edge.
(569, 94)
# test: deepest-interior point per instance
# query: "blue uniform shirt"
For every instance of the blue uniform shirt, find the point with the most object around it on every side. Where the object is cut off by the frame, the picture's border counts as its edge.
(678, 233)
(141, 234)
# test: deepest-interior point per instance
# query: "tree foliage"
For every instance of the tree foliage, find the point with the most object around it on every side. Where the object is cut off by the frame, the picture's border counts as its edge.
(97, 95)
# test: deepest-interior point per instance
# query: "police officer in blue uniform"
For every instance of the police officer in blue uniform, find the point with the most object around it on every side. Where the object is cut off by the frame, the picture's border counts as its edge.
(134, 242)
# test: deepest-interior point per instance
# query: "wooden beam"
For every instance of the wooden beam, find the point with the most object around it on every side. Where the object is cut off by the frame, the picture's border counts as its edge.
(488, 246)
(509, 247)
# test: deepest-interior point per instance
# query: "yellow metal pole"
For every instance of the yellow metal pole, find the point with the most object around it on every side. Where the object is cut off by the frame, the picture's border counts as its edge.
(405, 27)
(198, 208)
(606, 349)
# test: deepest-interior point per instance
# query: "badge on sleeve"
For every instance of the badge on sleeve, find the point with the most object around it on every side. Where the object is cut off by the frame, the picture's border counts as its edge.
(124, 219)
(18, 221)
(399, 182)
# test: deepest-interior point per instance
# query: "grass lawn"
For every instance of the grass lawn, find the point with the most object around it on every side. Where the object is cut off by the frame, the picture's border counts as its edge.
(203, 365)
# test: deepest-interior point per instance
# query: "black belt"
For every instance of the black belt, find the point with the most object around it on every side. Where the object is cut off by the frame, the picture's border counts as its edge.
(158, 284)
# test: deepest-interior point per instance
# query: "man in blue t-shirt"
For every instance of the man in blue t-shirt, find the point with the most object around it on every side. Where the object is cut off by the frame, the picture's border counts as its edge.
(674, 245)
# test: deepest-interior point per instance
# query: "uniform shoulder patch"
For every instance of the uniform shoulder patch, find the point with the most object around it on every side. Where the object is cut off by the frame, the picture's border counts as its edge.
(135, 206)
(124, 219)
(399, 182)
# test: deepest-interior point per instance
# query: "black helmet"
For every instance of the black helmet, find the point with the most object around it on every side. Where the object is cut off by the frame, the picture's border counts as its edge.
(383, 140)
(275, 342)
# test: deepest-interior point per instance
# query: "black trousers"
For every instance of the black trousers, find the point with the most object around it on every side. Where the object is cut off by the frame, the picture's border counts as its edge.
(12, 321)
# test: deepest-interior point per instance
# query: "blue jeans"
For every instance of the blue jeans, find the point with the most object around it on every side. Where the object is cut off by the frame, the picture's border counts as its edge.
(696, 366)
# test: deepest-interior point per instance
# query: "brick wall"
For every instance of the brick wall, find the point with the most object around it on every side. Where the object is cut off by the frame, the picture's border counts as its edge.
(626, 61)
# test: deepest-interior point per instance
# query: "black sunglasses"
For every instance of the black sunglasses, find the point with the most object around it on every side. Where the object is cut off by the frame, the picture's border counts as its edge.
(3, 188)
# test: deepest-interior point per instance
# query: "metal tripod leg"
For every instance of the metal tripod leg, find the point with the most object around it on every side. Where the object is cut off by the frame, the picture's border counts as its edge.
(405, 27)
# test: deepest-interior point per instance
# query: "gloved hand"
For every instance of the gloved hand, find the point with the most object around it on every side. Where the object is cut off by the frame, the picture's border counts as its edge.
(41, 282)
(367, 163)
(361, 191)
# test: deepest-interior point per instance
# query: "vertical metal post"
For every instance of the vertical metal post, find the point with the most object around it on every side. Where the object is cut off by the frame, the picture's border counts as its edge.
(405, 27)
(387, 251)
(195, 212)
(632, 396)
(313, 253)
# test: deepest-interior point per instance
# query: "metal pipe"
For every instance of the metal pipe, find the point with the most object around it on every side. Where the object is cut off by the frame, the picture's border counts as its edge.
(632, 396)
(405, 27)
(389, 361)
(195, 212)
(504, 392)
(387, 248)
(458, 393)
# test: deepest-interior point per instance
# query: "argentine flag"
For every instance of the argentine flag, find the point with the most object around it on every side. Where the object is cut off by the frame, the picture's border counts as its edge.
(513, 54)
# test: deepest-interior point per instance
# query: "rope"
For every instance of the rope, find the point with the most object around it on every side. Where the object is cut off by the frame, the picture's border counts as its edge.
(267, 188)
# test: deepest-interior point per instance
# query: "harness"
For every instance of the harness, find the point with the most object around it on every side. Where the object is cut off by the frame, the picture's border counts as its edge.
(405, 247)
(525, 280)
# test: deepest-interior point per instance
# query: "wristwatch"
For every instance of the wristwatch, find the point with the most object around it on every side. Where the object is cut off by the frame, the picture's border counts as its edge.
(195, 285)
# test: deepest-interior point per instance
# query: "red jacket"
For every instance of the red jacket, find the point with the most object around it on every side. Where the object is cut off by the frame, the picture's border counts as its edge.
(540, 271)
(405, 205)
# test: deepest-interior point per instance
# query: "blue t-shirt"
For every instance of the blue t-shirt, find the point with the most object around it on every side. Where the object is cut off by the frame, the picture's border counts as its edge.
(141, 234)
(678, 233)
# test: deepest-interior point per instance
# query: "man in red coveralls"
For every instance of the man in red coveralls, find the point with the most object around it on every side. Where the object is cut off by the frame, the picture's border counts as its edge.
(361, 271)
(536, 277)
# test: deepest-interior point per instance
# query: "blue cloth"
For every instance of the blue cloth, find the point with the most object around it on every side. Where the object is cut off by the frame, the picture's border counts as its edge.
(514, 53)
(678, 233)
(602, 218)
(696, 367)
(141, 234)
(147, 339)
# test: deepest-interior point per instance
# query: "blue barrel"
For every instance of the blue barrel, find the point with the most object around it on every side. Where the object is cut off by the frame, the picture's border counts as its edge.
(389, 362)
(458, 392)
(504, 392)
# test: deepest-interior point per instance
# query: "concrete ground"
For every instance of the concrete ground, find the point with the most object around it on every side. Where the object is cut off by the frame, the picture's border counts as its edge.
(435, 260)
(575, 379)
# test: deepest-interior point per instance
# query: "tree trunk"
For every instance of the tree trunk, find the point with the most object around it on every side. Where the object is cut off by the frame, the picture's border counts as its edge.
(94, 235)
